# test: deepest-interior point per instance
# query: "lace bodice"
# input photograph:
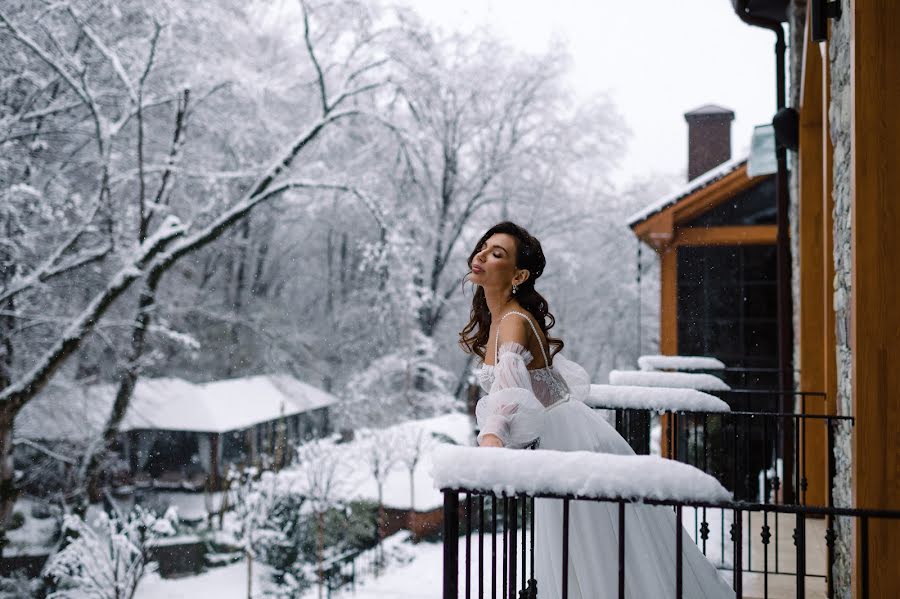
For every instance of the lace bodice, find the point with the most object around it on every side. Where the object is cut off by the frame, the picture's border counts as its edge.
(547, 384)
(517, 399)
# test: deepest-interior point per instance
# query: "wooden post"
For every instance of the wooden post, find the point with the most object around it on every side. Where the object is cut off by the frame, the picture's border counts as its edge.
(668, 330)
(875, 297)
(213, 474)
(811, 248)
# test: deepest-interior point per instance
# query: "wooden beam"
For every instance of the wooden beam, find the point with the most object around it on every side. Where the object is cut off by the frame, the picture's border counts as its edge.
(875, 297)
(668, 331)
(811, 249)
(728, 235)
(661, 225)
(714, 194)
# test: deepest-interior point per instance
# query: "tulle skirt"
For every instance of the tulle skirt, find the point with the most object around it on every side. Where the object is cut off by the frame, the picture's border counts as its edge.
(650, 536)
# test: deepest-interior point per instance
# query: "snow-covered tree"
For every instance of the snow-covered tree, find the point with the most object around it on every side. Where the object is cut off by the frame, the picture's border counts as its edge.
(413, 442)
(323, 477)
(253, 500)
(127, 197)
(379, 449)
(106, 558)
(407, 383)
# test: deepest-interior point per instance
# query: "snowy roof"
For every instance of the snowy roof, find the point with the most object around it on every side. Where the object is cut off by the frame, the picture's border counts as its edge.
(79, 412)
(578, 473)
(710, 176)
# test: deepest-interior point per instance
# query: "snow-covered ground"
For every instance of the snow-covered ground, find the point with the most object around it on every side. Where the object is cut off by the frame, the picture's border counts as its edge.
(417, 574)
(226, 582)
(457, 427)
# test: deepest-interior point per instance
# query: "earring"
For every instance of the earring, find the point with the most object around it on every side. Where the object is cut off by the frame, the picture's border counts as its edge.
(515, 288)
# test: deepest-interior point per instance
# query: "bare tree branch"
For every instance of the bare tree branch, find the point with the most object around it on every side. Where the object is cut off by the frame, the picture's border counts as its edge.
(13, 397)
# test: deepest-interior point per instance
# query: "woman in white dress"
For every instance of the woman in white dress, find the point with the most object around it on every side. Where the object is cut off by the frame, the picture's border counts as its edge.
(536, 393)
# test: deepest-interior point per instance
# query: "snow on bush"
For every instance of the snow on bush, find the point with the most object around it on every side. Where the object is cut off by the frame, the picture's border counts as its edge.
(660, 399)
(106, 560)
(683, 380)
(658, 362)
(579, 473)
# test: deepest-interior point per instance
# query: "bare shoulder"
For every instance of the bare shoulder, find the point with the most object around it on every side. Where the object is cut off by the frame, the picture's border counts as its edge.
(514, 328)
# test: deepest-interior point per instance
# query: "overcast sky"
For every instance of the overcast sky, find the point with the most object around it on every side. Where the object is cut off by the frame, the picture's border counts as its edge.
(657, 59)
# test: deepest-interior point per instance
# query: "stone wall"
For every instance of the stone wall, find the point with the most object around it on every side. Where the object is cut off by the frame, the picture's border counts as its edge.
(839, 119)
(796, 21)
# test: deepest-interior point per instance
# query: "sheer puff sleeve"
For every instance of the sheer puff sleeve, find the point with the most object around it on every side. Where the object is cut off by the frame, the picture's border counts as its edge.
(511, 411)
(577, 379)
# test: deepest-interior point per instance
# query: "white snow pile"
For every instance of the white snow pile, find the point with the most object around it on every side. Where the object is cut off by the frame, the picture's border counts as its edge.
(681, 380)
(580, 473)
(658, 362)
(661, 399)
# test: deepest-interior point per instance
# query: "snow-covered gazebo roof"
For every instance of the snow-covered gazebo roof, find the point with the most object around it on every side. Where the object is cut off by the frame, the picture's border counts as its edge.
(78, 413)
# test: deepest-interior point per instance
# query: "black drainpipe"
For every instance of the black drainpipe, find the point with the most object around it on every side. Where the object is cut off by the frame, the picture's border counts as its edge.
(783, 254)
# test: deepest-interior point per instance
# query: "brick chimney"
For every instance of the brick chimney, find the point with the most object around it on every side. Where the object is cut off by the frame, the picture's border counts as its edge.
(709, 138)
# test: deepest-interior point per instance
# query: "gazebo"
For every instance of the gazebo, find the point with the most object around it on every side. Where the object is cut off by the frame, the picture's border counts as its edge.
(187, 434)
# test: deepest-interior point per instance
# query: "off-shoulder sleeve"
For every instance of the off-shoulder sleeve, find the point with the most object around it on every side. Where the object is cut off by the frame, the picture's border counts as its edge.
(511, 411)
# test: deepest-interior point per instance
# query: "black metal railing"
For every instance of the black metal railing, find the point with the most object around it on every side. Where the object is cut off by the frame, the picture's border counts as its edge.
(739, 447)
(484, 518)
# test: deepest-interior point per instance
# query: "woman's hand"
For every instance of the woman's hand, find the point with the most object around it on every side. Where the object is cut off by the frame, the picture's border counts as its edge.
(490, 440)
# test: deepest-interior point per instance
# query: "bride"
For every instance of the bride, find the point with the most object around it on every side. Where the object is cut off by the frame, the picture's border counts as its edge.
(521, 362)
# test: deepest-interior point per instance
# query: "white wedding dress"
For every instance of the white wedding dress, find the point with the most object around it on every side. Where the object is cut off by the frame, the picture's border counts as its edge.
(548, 404)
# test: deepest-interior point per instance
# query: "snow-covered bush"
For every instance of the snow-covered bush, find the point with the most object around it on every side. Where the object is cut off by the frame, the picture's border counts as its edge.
(403, 385)
(107, 558)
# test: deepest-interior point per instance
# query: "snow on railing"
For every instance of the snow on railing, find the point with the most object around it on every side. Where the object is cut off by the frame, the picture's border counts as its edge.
(681, 380)
(660, 399)
(582, 474)
(658, 362)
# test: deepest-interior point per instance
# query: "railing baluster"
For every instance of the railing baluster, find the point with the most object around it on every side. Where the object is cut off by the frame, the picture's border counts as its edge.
(799, 460)
(524, 542)
(468, 585)
(734, 455)
(451, 545)
(481, 547)
(749, 513)
(621, 550)
(800, 541)
(738, 541)
(512, 518)
(532, 541)
(565, 548)
(493, 547)
(679, 557)
(505, 503)
(776, 482)
(802, 423)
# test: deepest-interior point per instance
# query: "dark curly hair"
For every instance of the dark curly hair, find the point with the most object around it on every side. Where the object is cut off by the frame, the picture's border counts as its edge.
(529, 255)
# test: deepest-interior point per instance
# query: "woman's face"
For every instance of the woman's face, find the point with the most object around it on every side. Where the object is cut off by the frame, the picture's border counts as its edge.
(494, 264)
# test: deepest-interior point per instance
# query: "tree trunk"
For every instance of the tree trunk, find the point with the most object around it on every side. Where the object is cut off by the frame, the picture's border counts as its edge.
(249, 575)
(320, 548)
(128, 377)
(7, 473)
